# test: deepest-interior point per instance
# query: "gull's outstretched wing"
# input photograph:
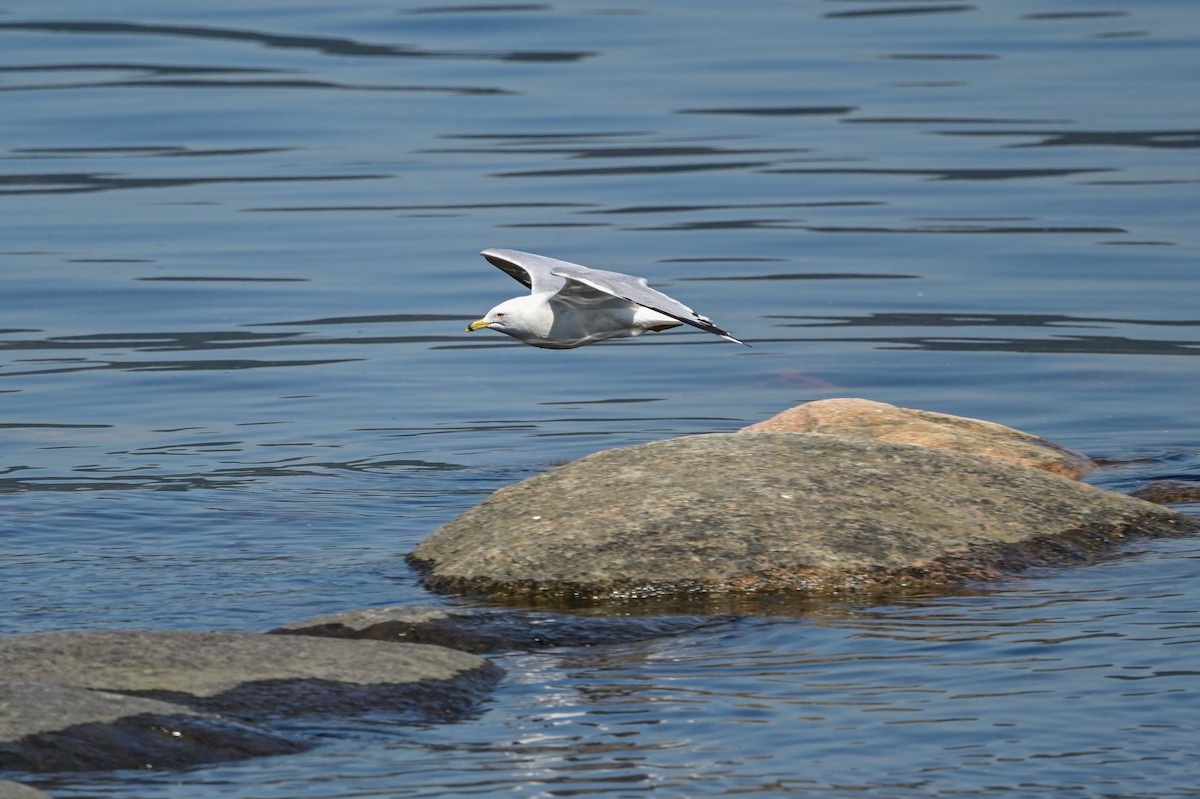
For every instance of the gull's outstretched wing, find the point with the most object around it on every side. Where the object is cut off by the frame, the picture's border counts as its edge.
(531, 271)
(584, 284)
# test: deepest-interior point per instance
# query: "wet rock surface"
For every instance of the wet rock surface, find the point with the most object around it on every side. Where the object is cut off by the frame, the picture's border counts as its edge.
(860, 418)
(131, 686)
(241, 672)
(1164, 492)
(48, 727)
(482, 631)
(770, 512)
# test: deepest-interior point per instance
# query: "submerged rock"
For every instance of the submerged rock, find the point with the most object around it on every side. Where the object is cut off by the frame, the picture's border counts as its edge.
(51, 727)
(1163, 492)
(771, 512)
(860, 418)
(489, 630)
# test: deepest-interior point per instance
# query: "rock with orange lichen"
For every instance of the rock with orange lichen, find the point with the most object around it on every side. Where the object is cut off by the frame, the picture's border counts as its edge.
(860, 418)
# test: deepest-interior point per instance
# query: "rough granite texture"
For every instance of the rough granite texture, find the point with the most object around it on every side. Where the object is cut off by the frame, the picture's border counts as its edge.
(766, 512)
(862, 418)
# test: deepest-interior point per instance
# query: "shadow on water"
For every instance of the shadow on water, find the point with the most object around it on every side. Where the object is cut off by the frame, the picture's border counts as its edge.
(1078, 344)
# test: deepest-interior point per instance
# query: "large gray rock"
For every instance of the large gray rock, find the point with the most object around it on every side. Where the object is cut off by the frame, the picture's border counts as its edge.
(52, 727)
(194, 674)
(770, 512)
(251, 675)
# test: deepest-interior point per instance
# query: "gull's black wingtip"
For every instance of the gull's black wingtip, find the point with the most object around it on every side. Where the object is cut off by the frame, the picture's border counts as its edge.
(734, 339)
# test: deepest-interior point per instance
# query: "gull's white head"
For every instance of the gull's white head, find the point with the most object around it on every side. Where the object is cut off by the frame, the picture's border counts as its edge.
(523, 318)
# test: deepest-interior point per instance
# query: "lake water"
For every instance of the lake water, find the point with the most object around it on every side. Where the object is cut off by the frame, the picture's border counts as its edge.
(238, 250)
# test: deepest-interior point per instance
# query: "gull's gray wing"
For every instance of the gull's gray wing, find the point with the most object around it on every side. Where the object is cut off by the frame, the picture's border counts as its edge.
(575, 282)
(636, 290)
(531, 271)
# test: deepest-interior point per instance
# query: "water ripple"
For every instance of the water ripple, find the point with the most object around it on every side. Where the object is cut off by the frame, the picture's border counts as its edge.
(325, 45)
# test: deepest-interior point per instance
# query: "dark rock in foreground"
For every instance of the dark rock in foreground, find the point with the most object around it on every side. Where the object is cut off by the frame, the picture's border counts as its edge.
(50, 727)
(195, 674)
(489, 630)
(774, 512)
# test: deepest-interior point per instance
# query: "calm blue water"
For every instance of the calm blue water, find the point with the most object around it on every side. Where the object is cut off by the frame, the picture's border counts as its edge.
(237, 253)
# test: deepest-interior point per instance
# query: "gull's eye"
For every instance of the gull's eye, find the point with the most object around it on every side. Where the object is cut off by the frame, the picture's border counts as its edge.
(501, 315)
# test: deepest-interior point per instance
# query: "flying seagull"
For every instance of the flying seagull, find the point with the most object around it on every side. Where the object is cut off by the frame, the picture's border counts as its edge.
(571, 305)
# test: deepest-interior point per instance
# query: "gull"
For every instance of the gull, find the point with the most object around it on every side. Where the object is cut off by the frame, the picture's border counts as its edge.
(571, 305)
